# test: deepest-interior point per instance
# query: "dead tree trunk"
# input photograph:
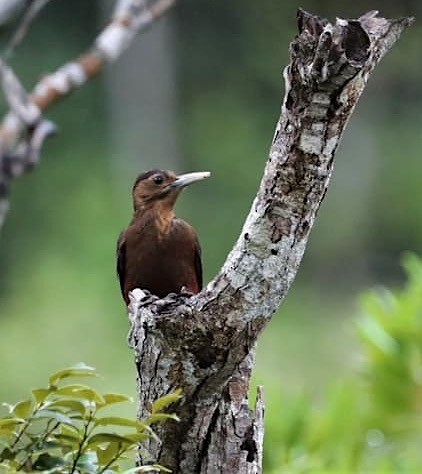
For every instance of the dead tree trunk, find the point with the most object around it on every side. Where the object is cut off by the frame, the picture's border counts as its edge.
(206, 344)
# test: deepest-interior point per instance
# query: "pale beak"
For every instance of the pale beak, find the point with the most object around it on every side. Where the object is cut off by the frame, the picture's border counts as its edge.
(189, 178)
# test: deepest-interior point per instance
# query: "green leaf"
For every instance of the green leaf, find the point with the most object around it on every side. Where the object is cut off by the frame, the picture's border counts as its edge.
(78, 370)
(106, 453)
(100, 438)
(118, 421)
(111, 398)
(69, 434)
(45, 446)
(159, 417)
(22, 409)
(7, 430)
(6, 422)
(66, 440)
(82, 392)
(70, 430)
(59, 417)
(72, 405)
(40, 394)
(376, 335)
(163, 402)
(3, 444)
(137, 437)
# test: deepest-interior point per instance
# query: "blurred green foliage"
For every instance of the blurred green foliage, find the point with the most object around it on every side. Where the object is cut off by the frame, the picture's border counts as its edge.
(369, 423)
(373, 421)
(62, 428)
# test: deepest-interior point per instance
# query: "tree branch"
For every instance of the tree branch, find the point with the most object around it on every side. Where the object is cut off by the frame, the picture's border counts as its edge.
(9, 8)
(206, 344)
(32, 10)
(130, 18)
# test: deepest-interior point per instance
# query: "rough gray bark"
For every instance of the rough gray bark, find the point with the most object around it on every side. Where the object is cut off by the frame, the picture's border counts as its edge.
(205, 344)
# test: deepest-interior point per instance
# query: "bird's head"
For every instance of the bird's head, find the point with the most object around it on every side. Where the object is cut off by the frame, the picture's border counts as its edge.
(161, 187)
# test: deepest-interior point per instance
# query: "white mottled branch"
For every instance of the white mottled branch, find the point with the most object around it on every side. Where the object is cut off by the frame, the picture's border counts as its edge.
(32, 10)
(205, 344)
(8, 8)
(129, 19)
(17, 98)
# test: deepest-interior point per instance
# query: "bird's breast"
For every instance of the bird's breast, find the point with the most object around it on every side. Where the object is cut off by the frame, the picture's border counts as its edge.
(161, 262)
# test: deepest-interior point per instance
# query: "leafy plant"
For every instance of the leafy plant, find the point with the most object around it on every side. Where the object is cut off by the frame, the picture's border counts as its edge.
(371, 422)
(391, 334)
(63, 429)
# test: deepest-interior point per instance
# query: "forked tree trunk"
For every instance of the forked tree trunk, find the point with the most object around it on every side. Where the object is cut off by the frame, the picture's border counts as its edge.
(206, 344)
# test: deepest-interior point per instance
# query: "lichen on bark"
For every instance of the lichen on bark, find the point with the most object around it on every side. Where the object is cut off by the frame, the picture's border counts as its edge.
(205, 344)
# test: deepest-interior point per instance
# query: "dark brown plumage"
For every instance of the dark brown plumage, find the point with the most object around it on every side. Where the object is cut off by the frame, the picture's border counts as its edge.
(159, 252)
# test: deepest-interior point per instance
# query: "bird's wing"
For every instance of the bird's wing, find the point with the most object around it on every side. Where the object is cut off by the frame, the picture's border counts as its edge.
(187, 234)
(121, 260)
(198, 263)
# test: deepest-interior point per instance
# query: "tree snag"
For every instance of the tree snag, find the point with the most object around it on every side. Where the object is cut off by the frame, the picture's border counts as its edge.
(205, 344)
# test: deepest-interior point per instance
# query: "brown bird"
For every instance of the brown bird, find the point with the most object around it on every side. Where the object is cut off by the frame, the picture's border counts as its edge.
(159, 252)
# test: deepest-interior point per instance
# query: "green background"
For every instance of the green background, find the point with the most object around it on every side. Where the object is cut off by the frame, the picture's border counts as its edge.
(59, 296)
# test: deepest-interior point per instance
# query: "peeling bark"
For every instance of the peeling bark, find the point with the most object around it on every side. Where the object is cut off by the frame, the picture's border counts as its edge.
(205, 344)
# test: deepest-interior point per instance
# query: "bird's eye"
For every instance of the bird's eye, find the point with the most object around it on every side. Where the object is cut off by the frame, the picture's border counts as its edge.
(158, 179)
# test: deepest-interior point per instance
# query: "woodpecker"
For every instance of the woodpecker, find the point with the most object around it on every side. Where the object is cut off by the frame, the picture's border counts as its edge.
(159, 252)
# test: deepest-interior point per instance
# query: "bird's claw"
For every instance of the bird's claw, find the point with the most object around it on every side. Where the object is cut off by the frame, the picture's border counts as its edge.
(185, 292)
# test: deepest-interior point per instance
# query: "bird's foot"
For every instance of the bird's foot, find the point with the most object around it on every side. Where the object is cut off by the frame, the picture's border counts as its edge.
(185, 292)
